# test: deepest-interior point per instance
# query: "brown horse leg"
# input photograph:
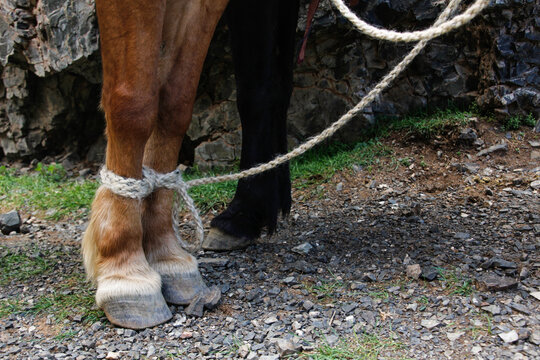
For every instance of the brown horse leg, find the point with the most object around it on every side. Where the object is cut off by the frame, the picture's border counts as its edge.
(188, 29)
(128, 289)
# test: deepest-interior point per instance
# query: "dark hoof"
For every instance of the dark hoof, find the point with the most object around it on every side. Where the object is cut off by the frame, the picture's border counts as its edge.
(207, 299)
(182, 288)
(137, 311)
(217, 240)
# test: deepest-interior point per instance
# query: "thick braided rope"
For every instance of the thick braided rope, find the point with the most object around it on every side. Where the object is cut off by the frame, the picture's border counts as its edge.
(328, 132)
(152, 180)
(441, 28)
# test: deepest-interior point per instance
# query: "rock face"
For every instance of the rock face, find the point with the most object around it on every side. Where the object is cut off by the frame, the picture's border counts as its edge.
(50, 72)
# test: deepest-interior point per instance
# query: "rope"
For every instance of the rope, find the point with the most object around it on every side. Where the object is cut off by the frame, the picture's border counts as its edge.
(440, 28)
(139, 189)
(152, 180)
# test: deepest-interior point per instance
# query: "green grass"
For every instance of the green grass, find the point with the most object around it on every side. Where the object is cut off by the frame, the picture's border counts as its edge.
(66, 300)
(358, 347)
(455, 282)
(515, 122)
(429, 125)
(324, 289)
(47, 189)
(20, 266)
(72, 296)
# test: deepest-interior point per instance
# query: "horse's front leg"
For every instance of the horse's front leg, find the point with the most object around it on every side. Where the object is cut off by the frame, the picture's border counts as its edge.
(188, 29)
(128, 289)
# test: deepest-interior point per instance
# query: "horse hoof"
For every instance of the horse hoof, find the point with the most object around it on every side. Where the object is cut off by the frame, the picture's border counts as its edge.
(207, 299)
(182, 288)
(217, 240)
(137, 311)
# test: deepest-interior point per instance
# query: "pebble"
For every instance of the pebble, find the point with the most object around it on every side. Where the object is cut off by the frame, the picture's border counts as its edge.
(498, 263)
(455, 335)
(503, 147)
(430, 323)
(287, 347)
(493, 282)
(534, 338)
(493, 309)
(414, 271)
(302, 248)
(10, 222)
(509, 337)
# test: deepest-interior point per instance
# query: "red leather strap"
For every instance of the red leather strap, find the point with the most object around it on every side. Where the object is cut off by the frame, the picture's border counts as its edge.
(313, 5)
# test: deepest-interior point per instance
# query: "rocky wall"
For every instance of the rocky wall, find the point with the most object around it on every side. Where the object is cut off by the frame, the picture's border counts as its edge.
(50, 71)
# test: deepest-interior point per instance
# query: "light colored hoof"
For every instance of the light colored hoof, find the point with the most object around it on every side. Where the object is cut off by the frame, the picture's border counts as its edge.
(182, 288)
(217, 240)
(137, 311)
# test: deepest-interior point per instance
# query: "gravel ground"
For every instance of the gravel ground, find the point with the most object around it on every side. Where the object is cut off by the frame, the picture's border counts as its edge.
(432, 254)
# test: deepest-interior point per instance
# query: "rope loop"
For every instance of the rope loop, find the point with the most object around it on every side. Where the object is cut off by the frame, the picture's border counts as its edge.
(151, 181)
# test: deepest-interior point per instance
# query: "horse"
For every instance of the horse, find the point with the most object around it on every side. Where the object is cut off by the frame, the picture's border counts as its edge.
(152, 58)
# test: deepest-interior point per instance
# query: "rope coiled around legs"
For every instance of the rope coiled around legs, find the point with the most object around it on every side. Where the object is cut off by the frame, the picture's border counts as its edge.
(151, 181)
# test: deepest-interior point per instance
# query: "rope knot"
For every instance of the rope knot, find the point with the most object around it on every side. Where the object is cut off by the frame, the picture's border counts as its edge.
(151, 181)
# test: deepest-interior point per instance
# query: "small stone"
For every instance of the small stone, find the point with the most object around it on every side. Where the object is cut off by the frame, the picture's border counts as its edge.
(495, 148)
(535, 155)
(287, 347)
(467, 136)
(271, 319)
(492, 282)
(358, 286)
(509, 337)
(219, 262)
(96, 326)
(524, 273)
(186, 335)
(534, 143)
(244, 350)
(414, 271)
(429, 274)
(462, 236)
(302, 248)
(536, 295)
(10, 222)
(430, 323)
(524, 333)
(454, 336)
(111, 355)
(499, 263)
(534, 338)
(269, 357)
(476, 349)
(493, 309)
(332, 339)
(339, 186)
(307, 305)
(347, 308)
(521, 308)
(535, 184)
(369, 277)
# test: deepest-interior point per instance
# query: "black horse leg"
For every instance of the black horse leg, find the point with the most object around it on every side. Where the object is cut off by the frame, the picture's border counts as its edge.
(262, 37)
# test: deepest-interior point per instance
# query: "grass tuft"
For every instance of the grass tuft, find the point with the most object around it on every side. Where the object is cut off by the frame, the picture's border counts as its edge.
(455, 282)
(364, 346)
